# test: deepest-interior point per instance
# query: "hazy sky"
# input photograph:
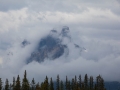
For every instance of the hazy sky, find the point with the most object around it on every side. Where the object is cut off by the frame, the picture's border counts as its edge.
(94, 25)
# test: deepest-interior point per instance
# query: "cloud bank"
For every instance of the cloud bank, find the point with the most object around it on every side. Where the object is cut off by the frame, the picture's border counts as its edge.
(93, 25)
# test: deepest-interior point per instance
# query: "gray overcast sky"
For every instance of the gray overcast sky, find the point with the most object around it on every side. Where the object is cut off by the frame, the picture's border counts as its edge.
(94, 24)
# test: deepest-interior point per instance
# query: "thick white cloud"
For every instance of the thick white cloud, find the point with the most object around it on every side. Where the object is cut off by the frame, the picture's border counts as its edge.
(93, 18)
(11, 4)
(93, 25)
(1, 60)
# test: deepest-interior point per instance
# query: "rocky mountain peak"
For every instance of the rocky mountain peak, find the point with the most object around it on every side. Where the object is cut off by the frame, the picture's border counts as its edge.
(65, 31)
(52, 46)
(25, 43)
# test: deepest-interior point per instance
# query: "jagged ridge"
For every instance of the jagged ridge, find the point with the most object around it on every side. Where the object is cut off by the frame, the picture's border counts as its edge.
(51, 46)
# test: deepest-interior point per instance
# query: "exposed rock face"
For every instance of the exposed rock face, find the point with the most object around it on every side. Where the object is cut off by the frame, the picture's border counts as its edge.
(25, 43)
(51, 46)
(65, 31)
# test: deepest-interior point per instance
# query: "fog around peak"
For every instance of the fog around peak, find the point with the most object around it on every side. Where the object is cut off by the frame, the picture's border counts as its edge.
(93, 25)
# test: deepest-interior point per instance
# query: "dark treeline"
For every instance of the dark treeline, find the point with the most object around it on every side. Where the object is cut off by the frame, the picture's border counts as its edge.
(48, 84)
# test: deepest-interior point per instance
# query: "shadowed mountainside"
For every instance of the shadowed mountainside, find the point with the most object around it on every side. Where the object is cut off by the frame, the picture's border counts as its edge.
(52, 46)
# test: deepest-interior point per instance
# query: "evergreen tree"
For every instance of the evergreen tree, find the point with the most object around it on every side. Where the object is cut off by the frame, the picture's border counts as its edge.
(91, 83)
(33, 84)
(51, 84)
(95, 87)
(86, 81)
(25, 83)
(97, 82)
(61, 85)
(46, 84)
(10, 87)
(7, 85)
(38, 87)
(13, 85)
(82, 86)
(42, 86)
(80, 81)
(0, 84)
(66, 83)
(58, 83)
(77, 86)
(75, 79)
(73, 84)
(18, 85)
(100, 83)
(69, 85)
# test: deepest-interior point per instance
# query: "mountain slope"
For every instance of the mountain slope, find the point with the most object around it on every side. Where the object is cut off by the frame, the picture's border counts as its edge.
(52, 46)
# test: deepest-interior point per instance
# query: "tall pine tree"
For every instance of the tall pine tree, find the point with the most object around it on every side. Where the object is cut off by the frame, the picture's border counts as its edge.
(100, 83)
(33, 84)
(46, 84)
(25, 83)
(86, 81)
(13, 85)
(73, 84)
(80, 81)
(58, 83)
(61, 85)
(6, 84)
(66, 83)
(91, 82)
(18, 84)
(0, 84)
(51, 84)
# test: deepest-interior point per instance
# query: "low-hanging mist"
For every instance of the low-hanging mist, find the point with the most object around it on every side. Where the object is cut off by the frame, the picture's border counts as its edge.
(93, 25)
(100, 57)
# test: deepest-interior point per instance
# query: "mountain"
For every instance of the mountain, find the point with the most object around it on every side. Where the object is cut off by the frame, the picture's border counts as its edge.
(25, 43)
(113, 85)
(53, 46)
